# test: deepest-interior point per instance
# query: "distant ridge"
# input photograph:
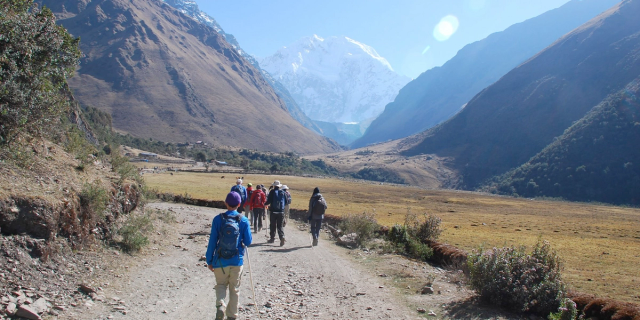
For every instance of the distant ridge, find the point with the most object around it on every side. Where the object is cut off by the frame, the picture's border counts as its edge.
(163, 75)
(512, 120)
(441, 92)
(596, 159)
(191, 9)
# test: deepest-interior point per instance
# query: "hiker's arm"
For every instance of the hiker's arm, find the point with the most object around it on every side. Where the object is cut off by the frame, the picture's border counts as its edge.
(247, 238)
(213, 242)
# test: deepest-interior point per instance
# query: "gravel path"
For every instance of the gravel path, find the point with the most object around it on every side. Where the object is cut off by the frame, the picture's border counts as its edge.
(168, 281)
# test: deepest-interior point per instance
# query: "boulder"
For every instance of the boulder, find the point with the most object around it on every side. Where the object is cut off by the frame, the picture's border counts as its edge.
(349, 240)
(28, 313)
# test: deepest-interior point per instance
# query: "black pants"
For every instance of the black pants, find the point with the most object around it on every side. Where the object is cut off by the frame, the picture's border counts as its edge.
(257, 218)
(275, 219)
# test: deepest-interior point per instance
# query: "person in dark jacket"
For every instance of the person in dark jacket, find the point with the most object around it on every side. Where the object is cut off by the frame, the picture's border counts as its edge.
(276, 200)
(317, 207)
(228, 272)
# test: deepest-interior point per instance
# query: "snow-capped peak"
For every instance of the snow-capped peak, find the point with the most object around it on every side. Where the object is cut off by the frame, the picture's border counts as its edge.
(335, 79)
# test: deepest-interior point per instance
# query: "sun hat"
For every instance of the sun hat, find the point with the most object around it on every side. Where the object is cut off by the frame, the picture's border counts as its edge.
(277, 184)
(233, 199)
(239, 181)
(284, 187)
(249, 184)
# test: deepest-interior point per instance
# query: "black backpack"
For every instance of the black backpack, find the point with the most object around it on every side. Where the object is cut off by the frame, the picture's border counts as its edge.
(319, 207)
(228, 236)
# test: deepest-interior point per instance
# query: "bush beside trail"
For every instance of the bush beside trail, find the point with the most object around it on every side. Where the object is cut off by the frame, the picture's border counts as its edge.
(450, 256)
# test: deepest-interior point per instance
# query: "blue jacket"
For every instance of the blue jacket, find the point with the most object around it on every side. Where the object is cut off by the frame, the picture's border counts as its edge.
(244, 238)
(240, 189)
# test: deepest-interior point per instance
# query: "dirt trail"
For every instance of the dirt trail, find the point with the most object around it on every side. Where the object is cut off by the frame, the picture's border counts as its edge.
(292, 282)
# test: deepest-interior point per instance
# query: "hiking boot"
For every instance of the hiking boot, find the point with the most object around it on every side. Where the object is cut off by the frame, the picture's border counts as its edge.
(220, 313)
(282, 241)
(271, 240)
(315, 242)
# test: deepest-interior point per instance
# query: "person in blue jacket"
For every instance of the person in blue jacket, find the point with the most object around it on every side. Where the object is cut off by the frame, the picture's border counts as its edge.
(228, 271)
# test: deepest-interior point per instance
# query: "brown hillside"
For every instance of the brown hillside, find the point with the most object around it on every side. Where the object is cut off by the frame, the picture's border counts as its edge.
(515, 118)
(165, 76)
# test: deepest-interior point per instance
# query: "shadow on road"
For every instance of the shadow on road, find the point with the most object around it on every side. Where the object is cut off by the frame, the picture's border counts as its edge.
(284, 250)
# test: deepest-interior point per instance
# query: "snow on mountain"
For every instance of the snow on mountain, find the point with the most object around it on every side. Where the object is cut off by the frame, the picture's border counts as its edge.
(337, 79)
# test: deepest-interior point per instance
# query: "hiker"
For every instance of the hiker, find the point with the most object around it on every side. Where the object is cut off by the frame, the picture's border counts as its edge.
(276, 201)
(317, 207)
(246, 205)
(264, 216)
(257, 200)
(242, 191)
(230, 234)
(287, 204)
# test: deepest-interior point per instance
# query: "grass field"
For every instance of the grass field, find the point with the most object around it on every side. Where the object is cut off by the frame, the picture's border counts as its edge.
(599, 244)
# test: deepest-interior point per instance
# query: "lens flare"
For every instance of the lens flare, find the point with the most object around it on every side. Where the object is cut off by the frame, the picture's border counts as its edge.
(426, 49)
(446, 28)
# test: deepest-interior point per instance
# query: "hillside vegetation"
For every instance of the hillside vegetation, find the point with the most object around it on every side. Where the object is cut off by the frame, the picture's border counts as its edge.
(596, 159)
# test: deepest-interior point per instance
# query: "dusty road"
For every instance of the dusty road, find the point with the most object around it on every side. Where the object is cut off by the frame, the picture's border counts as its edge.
(168, 280)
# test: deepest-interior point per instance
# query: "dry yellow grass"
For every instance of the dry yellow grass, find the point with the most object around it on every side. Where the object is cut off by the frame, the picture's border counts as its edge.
(600, 244)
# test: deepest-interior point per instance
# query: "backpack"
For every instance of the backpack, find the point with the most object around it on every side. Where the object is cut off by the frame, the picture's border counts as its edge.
(249, 193)
(258, 200)
(241, 191)
(278, 202)
(288, 197)
(228, 236)
(319, 207)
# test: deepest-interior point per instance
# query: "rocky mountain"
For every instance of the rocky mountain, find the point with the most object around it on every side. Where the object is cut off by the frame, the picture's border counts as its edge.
(191, 9)
(164, 75)
(336, 79)
(515, 118)
(596, 159)
(441, 92)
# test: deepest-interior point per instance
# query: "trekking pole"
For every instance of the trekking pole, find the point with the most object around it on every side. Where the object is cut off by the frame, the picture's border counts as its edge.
(255, 302)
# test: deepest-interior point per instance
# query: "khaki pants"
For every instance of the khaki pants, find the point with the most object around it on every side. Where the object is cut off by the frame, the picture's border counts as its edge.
(230, 278)
(248, 213)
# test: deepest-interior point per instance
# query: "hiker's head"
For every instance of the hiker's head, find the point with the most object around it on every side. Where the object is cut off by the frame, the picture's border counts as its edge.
(284, 187)
(233, 200)
(249, 184)
(239, 181)
(316, 190)
(276, 184)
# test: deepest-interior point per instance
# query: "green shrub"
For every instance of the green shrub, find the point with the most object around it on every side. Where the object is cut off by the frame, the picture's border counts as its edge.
(364, 224)
(402, 238)
(512, 278)
(94, 198)
(568, 311)
(36, 58)
(134, 231)
(423, 228)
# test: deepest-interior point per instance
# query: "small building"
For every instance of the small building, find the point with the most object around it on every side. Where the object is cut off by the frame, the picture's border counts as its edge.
(148, 155)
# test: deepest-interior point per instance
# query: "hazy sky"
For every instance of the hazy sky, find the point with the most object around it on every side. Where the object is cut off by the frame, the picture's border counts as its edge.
(413, 35)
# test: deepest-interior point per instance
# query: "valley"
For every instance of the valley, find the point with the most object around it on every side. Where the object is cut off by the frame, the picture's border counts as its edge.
(598, 243)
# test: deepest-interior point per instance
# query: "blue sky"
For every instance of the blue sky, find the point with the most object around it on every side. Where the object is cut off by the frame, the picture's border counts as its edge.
(413, 35)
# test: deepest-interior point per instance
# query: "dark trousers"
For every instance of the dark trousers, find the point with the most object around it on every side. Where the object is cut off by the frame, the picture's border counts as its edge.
(258, 213)
(316, 224)
(275, 219)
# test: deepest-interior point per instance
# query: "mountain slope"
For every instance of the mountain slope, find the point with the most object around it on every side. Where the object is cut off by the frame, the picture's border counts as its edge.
(335, 79)
(594, 160)
(441, 92)
(163, 75)
(515, 118)
(191, 9)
